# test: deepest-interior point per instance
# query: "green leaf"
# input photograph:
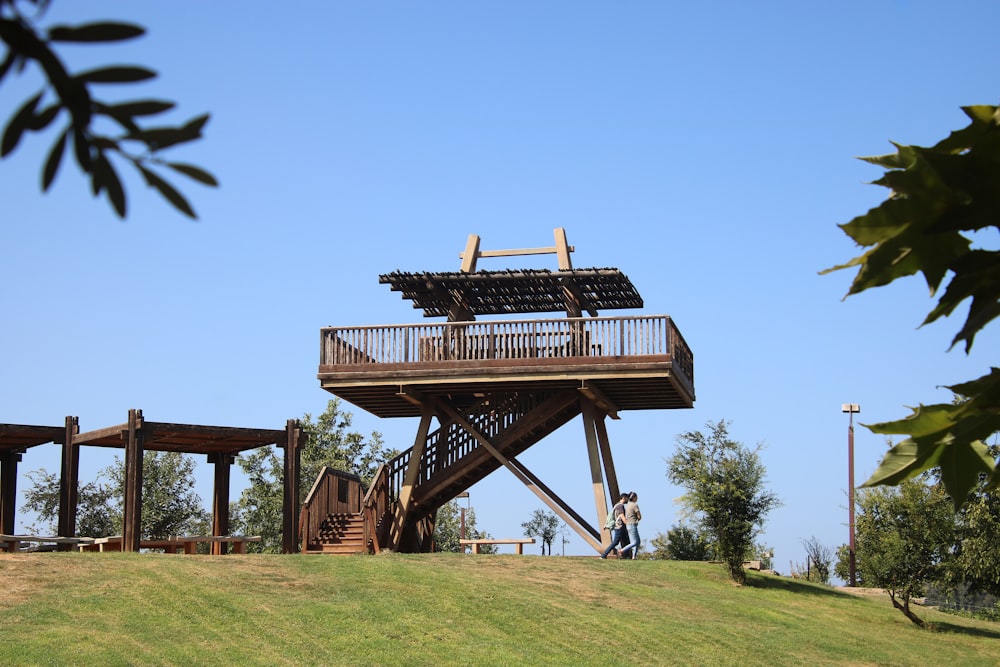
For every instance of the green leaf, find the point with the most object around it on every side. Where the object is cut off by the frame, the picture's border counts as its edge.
(96, 32)
(81, 148)
(194, 172)
(140, 108)
(903, 461)
(116, 74)
(43, 118)
(168, 192)
(20, 122)
(104, 173)
(7, 64)
(158, 138)
(53, 161)
(961, 464)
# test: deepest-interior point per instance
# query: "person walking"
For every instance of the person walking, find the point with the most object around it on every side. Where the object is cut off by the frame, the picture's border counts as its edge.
(632, 517)
(618, 532)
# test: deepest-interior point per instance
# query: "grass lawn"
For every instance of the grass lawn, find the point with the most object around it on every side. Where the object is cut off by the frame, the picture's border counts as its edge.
(449, 609)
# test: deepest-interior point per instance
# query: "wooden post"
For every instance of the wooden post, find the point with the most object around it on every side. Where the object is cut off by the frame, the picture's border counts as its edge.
(410, 479)
(220, 498)
(69, 483)
(563, 250)
(609, 464)
(132, 520)
(596, 478)
(471, 254)
(294, 437)
(8, 489)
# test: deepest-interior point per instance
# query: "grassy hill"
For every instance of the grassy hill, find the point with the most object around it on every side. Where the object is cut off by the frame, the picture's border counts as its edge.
(449, 609)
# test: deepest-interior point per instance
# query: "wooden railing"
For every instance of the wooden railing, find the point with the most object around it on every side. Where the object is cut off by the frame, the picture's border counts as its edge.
(333, 492)
(654, 335)
(376, 503)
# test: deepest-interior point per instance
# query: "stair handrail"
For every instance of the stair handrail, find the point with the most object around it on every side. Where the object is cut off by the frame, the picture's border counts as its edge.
(375, 507)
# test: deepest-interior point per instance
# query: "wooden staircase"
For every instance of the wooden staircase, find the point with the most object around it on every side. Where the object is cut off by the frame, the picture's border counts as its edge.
(340, 534)
(451, 460)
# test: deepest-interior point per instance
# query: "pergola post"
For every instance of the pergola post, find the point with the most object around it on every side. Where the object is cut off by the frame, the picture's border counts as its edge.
(69, 482)
(290, 508)
(8, 489)
(223, 462)
(132, 520)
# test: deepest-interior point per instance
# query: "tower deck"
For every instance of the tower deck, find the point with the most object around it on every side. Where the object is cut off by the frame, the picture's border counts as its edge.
(624, 363)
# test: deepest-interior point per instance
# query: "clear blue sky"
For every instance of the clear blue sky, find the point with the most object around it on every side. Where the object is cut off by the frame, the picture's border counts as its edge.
(705, 149)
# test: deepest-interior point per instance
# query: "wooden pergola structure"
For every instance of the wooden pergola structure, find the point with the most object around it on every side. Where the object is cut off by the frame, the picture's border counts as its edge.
(498, 387)
(220, 444)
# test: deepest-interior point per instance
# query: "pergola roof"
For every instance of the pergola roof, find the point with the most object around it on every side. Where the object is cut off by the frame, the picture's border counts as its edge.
(186, 438)
(18, 437)
(516, 291)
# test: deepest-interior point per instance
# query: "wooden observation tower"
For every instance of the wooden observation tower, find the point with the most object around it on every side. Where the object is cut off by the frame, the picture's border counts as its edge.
(496, 387)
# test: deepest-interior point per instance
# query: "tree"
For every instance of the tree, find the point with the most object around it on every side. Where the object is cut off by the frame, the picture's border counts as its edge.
(544, 526)
(819, 561)
(942, 197)
(724, 484)
(93, 514)
(904, 540)
(259, 510)
(170, 506)
(977, 562)
(98, 130)
(448, 529)
(681, 542)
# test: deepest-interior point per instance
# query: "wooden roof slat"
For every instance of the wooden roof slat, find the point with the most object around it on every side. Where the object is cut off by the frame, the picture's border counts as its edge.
(514, 291)
(187, 438)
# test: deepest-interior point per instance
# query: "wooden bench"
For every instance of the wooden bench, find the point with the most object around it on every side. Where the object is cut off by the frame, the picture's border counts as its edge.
(190, 542)
(12, 543)
(517, 542)
(175, 544)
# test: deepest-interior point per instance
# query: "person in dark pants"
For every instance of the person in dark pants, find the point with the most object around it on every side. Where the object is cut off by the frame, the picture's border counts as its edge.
(618, 532)
(632, 518)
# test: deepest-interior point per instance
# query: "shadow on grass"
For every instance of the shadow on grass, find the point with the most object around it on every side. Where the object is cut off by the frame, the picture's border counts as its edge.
(802, 588)
(794, 586)
(937, 626)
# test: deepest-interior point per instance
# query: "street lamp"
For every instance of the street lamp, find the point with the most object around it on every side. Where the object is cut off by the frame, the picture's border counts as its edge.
(463, 494)
(851, 409)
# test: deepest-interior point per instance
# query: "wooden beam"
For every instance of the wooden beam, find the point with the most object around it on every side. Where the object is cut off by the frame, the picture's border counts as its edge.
(8, 489)
(609, 464)
(563, 250)
(132, 519)
(516, 469)
(220, 498)
(471, 254)
(69, 482)
(410, 479)
(596, 478)
(294, 440)
(576, 300)
(605, 404)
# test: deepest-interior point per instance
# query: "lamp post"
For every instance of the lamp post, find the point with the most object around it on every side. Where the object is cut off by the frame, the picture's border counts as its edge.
(463, 494)
(851, 409)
